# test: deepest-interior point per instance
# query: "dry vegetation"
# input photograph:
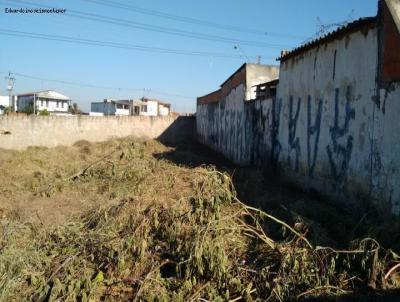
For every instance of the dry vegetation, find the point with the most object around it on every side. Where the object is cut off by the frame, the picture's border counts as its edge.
(113, 221)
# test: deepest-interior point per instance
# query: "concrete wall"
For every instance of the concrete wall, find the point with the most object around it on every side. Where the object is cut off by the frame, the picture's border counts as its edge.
(331, 128)
(20, 132)
(334, 131)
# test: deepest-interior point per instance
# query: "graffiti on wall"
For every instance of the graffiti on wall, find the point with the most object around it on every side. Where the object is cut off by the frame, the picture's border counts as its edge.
(340, 153)
(294, 142)
(313, 132)
(276, 146)
(255, 131)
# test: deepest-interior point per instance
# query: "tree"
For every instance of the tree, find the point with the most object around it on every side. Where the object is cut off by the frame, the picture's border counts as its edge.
(44, 112)
(7, 110)
(29, 109)
(74, 109)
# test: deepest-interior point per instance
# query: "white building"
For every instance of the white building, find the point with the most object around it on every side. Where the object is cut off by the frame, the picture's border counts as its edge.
(110, 107)
(50, 100)
(144, 107)
(4, 102)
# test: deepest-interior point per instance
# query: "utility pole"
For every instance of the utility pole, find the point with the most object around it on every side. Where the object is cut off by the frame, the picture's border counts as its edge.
(10, 87)
(34, 104)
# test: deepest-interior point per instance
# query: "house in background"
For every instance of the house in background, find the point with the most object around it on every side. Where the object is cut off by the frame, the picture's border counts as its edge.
(144, 107)
(152, 107)
(110, 107)
(50, 100)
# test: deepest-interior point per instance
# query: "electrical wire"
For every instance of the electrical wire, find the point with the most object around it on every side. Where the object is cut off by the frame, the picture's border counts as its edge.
(136, 9)
(98, 86)
(143, 48)
(153, 28)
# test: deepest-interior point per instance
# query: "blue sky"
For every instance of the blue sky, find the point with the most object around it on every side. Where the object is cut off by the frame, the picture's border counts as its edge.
(178, 79)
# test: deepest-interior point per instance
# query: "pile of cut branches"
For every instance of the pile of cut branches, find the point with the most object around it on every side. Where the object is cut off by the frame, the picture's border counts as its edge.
(204, 246)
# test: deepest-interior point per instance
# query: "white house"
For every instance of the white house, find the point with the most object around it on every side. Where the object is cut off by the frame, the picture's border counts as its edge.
(154, 107)
(144, 107)
(110, 107)
(50, 100)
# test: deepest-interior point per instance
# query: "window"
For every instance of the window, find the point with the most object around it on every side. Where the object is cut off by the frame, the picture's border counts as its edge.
(58, 104)
(144, 108)
(47, 103)
(41, 103)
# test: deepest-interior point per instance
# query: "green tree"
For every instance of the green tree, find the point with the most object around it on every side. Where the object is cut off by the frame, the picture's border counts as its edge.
(44, 112)
(6, 109)
(28, 109)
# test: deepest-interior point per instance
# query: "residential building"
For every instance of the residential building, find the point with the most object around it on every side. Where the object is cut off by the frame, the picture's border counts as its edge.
(111, 107)
(153, 107)
(144, 107)
(54, 102)
(330, 124)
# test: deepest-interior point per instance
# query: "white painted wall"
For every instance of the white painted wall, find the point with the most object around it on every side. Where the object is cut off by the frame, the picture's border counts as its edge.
(96, 113)
(41, 104)
(52, 105)
(163, 110)
(341, 152)
(152, 109)
(351, 154)
(119, 111)
(4, 101)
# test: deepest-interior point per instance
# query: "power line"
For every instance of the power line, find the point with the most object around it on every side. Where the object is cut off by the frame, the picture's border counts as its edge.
(97, 86)
(74, 40)
(133, 8)
(153, 28)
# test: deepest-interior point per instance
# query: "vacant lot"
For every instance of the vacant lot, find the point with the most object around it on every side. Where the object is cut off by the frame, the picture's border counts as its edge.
(137, 220)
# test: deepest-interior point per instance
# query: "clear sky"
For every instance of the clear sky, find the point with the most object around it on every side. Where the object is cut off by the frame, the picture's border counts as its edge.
(258, 27)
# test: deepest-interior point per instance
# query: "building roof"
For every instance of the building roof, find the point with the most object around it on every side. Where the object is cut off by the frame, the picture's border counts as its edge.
(233, 74)
(48, 94)
(394, 8)
(144, 99)
(357, 25)
(212, 97)
(269, 83)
